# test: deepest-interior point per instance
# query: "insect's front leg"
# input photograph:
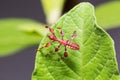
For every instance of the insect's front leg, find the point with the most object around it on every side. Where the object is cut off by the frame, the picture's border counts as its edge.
(46, 45)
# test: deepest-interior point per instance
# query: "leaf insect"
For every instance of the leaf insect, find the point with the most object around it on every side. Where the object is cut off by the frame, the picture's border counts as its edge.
(65, 43)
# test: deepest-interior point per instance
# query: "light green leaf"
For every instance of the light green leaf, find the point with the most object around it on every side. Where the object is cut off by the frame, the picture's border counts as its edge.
(95, 60)
(12, 37)
(52, 9)
(108, 14)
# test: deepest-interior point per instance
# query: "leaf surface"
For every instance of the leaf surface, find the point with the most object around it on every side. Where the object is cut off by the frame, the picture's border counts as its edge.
(95, 60)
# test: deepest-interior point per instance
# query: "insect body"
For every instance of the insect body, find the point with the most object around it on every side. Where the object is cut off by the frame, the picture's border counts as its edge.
(69, 44)
(65, 43)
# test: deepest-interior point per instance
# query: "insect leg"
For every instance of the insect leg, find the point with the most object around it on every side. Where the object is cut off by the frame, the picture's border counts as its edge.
(51, 30)
(62, 33)
(46, 45)
(65, 53)
(57, 49)
(73, 36)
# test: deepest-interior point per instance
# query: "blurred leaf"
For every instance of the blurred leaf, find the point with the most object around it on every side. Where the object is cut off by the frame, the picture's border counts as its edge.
(52, 9)
(34, 29)
(108, 14)
(12, 38)
(95, 60)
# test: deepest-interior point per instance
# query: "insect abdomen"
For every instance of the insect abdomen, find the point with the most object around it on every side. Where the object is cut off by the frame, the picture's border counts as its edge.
(73, 46)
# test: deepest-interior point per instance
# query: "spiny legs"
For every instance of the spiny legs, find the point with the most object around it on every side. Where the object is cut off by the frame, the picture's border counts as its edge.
(46, 45)
(71, 38)
(51, 30)
(62, 34)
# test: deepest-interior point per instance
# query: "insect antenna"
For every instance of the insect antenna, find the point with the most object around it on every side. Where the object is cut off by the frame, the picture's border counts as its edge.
(51, 30)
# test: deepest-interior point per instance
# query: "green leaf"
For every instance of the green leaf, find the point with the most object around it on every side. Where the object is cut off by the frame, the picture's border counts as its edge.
(52, 9)
(108, 14)
(95, 60)
(12, 37)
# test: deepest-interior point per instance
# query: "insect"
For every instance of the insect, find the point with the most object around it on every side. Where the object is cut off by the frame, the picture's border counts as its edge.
(65, 43)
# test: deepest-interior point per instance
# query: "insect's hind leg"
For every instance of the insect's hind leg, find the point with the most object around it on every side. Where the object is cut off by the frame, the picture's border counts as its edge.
(62, 34)
(57, 49)
(65, 53)
(73, 36)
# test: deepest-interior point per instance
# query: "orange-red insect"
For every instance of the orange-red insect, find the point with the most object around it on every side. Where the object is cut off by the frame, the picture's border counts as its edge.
(66, 43)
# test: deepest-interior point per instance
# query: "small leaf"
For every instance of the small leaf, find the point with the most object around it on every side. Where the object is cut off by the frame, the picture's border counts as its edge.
(33, 28)
(108, 14)
(13, 39)
(52, 9)
(95, 60)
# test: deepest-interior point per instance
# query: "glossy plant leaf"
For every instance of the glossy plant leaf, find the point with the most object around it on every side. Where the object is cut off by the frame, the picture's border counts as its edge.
(108, 14)
(52, 9)
(13, 36)
(95, 60)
